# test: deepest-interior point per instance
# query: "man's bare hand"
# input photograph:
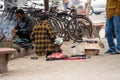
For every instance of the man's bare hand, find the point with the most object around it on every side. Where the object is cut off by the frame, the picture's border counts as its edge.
(14, 31)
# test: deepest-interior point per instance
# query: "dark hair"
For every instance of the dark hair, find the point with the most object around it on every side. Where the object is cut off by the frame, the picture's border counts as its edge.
(44, 17)
(19, 11)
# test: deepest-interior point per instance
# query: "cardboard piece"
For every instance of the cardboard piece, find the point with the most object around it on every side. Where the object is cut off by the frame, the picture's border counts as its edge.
(91, 47)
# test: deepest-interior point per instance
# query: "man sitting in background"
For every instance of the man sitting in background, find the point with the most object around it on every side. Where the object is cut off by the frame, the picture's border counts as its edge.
(23, 29)
(24, 25)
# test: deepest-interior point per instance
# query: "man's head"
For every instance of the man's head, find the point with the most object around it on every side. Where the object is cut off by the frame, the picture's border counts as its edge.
(44, 17)
(20, 13)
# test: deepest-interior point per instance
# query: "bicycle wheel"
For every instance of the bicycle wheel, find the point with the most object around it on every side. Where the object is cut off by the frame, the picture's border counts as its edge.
(87, 22)
(64, 22)
(77, 29)
(55, 25)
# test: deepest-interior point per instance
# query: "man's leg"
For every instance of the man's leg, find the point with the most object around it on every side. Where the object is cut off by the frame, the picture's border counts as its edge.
(65, 6)
(48, 53)
(109, 35)
(116, 21)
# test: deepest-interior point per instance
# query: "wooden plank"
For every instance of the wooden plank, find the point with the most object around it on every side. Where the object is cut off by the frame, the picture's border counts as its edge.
(7, 50)
(91, 45)
(100, 24)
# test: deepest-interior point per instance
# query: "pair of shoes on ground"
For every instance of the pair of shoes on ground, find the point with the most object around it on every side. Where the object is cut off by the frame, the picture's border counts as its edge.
(112, 52)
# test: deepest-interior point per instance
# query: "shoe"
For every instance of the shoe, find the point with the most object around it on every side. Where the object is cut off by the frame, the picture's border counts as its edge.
(109, 51)
(114, 53)
(118, 51)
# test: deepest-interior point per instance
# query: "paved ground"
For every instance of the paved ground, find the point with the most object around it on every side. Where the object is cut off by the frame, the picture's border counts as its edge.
(101, 67)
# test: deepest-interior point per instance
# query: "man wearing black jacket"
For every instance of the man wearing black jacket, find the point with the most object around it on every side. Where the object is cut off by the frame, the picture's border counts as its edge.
(24, 25)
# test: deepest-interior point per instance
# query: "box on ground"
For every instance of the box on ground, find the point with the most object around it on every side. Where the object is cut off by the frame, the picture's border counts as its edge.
(91, 47)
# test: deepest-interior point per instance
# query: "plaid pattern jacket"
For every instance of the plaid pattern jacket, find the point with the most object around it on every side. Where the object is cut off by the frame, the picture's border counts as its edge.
(43, 38)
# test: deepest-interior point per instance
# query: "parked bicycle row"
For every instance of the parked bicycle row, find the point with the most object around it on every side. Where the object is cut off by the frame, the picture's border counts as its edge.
(66, 24)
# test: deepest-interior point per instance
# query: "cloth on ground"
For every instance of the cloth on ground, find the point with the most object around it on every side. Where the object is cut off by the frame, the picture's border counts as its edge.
(24, 43)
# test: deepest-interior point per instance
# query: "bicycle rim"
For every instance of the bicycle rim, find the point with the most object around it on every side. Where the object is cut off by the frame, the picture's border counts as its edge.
(55, 26)
(77, 30)
(87, 22)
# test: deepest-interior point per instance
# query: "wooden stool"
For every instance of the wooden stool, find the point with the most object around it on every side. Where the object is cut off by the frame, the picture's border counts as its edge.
(91, 46)
(4, 58)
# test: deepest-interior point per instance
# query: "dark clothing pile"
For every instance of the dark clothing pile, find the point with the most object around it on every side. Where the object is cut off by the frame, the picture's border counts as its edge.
(24, 43)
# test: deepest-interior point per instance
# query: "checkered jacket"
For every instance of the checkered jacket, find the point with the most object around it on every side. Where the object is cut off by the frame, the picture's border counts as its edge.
(43, 38)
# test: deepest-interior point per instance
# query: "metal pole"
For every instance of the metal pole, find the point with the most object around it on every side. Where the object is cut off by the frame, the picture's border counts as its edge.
(46, 5)
(88, 7)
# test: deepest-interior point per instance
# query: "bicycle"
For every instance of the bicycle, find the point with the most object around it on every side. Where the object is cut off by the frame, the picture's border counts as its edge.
(65, 23)
(79, 26)
(75, 26)
(8, 20)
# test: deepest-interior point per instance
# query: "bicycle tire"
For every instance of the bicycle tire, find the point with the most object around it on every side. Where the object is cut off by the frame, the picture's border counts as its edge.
(86, 21)
(77, 29)
(64, 21)
(55, 25)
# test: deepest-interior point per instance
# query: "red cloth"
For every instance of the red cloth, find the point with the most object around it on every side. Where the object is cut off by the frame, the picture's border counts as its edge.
(56, 55)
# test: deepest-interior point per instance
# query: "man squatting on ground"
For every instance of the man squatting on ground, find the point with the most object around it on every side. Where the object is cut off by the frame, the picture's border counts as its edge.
(43, 37)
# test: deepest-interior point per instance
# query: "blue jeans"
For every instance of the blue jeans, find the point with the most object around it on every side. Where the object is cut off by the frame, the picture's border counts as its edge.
(65, 5)
(113, 27)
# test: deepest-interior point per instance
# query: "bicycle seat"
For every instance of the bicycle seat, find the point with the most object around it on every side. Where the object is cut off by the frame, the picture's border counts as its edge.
(62, 14)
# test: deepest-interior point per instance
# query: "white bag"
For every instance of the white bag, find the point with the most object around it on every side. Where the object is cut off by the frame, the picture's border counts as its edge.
(58, 41)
